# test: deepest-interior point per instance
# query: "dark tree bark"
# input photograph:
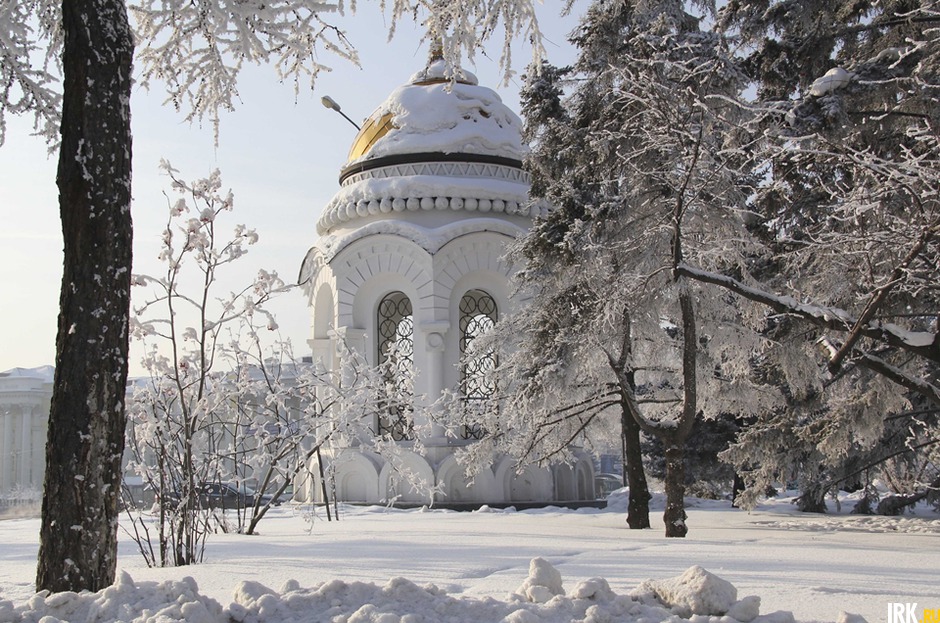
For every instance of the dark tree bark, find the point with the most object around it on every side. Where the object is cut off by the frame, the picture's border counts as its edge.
(674, 516)
(674, 439)
(638, 506)
(737, 488)
(812, 499)
(896, 504)
(78, 538)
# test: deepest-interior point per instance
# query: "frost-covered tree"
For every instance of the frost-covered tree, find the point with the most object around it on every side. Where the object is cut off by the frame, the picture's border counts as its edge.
(184, 413)
(221, 407)
(846, 136)
(639, 164)
(198, 49)
(589, 398)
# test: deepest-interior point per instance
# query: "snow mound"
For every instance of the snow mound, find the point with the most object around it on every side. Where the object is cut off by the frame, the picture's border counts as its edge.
(695, 592)
(123, 602)
(543, 583)
(595, 588)
(540, 599)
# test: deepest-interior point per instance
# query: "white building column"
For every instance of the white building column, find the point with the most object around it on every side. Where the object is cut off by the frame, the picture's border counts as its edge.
(323, 351)
(6, 460)
(354, 339)
(435, 340)
(26, 446)
(38, 472)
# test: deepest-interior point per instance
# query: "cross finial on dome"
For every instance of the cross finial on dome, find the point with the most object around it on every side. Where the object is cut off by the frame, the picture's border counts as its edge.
(436, 70)
(436, 53)
(436, 37)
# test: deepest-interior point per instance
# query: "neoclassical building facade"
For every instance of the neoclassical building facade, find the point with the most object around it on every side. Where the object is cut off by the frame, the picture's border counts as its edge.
(410, 254)
(25, 396)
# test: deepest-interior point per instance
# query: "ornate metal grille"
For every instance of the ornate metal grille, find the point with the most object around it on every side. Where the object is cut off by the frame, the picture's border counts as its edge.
(477, 316)
(396, 339)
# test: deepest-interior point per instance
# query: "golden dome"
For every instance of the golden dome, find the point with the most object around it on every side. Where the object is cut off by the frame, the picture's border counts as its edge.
(372, 130)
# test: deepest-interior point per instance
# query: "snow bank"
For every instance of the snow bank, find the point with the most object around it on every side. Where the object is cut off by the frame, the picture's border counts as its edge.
(123, 602)
(543, 583)
(696, 594)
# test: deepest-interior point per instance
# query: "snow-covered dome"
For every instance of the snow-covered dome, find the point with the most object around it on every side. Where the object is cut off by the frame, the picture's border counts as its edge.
(432, 114)
(435, 144)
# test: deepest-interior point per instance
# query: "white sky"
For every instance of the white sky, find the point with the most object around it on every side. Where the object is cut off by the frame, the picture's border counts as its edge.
(280, 158)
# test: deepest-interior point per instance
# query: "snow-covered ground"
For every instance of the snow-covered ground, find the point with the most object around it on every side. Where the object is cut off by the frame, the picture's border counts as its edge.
(378, 565)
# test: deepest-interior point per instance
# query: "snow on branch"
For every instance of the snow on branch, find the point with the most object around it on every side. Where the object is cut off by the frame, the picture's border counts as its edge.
(922, 343)
(464, 25)
(25, 27)
(199, 48)
(895, 374)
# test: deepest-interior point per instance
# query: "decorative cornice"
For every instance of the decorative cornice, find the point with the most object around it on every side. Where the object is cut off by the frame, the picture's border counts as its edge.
(337, 213)
(461, 168)
(428, 159)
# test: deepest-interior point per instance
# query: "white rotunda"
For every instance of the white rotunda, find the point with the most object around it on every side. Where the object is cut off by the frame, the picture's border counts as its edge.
(410, 252)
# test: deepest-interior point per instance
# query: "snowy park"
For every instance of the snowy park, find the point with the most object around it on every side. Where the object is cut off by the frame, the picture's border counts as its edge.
(695, 252)
(551, 565)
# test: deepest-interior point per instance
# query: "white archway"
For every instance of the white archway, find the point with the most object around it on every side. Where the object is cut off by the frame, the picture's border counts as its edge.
(355, 478)
(409, 480)
(457, 489)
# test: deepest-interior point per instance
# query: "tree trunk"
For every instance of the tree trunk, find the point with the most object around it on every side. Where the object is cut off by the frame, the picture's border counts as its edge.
(812, 499)
(895, 504)
(737, 488)
(638, 507)
(78, 537)
(675, 516)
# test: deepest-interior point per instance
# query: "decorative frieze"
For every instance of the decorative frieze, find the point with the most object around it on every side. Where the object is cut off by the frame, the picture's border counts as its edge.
(339, 212)
(442, 169)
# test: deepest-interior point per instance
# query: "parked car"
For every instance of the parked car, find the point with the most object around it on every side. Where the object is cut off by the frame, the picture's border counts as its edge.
(228, 495)
(605, 484)
(287, 496)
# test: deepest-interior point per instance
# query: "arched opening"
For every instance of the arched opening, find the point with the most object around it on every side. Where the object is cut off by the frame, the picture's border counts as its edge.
(478, 314)
(323, 313)
(395, 348)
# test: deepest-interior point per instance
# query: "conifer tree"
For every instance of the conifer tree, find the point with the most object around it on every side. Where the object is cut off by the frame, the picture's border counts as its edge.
(845, 130)
(637, 165)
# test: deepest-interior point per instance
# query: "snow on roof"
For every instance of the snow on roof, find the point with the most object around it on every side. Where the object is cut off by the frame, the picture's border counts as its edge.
(45, 373)
(431, 114)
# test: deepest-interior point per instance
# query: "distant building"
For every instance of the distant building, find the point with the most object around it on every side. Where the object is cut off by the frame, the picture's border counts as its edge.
(410, 252)
(25, 396)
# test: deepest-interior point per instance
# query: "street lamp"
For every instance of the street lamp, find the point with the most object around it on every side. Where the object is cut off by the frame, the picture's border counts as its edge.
(330, 103)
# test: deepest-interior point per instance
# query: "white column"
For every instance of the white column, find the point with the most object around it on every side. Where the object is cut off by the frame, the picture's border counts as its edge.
(435, 334)
(26, 446)
(354, 340)
(323, 351)
(6, 461)
(38, 473)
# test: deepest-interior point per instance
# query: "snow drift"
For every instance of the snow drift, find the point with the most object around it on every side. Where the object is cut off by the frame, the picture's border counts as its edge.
(697, 595)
